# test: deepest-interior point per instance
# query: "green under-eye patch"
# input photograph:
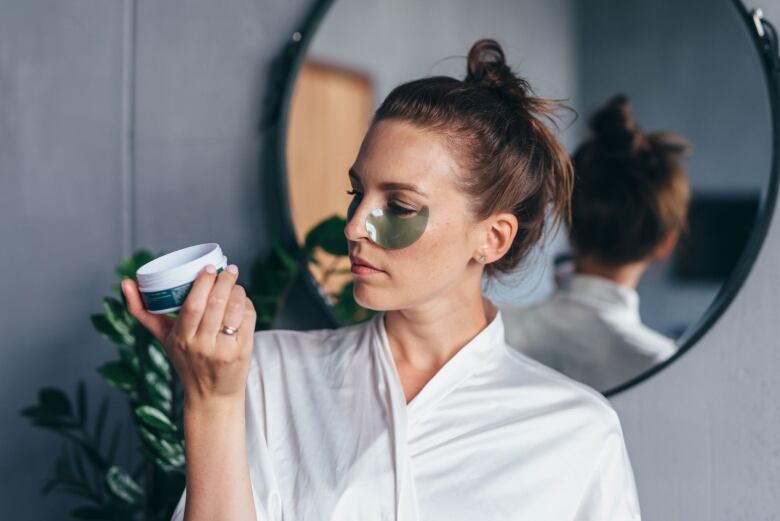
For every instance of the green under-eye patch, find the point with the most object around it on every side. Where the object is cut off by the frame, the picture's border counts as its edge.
(392, 231)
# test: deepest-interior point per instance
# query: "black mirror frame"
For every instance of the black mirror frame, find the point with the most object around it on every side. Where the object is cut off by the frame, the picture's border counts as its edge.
(284, 71)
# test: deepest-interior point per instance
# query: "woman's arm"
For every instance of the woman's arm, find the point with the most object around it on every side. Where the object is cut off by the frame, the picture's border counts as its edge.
(218, 481)
(213, 366)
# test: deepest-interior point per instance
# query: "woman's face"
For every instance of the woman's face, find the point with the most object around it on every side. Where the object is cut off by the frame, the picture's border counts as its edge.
(441, 262)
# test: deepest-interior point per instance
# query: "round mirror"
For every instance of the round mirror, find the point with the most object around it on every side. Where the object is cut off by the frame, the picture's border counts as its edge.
(692, 72)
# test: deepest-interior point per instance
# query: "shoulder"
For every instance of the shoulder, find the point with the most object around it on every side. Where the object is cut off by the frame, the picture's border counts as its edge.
(525, 325)
(302, 373)
(272, 346)
(647, 342)
(531, 311)
(552, 392)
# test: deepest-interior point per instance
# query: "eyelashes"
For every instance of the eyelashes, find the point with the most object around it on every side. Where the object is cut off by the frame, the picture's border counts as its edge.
(396, 209)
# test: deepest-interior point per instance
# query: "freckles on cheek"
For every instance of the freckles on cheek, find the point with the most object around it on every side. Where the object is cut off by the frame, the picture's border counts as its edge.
(433, 254)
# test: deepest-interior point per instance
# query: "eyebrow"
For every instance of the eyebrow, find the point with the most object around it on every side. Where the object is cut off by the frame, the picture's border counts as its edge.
(391, 185)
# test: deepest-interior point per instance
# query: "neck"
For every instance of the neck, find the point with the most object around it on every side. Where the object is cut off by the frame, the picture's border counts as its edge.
(424, 339)
(627, 275)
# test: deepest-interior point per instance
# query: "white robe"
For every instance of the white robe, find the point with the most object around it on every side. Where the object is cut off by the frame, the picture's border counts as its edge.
(492, 436)
(590, 330)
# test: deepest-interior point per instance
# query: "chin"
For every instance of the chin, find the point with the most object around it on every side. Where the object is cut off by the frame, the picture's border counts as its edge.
(368, 297)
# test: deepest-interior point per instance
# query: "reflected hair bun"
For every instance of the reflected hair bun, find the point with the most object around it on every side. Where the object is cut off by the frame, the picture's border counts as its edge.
(614, 126)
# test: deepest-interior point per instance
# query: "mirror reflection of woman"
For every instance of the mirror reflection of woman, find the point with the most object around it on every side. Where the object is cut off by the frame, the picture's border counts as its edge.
(629, 206)
(422, 412)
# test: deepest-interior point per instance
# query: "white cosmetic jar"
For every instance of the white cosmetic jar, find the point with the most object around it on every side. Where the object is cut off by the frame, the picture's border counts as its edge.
(165, 282)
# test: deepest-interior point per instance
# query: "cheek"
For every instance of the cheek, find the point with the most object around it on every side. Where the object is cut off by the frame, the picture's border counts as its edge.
(437, 254)
(435, 261)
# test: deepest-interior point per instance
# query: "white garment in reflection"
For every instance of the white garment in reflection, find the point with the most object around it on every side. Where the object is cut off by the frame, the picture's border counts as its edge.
(590, 330)
(492, 436)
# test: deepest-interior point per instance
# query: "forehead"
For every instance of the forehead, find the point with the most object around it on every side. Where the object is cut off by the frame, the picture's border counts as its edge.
(400, 152)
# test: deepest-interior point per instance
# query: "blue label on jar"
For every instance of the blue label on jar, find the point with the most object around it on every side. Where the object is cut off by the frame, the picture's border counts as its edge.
(170, 299)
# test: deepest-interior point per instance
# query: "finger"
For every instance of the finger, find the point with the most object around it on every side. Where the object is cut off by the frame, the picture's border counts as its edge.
(229, 345)
(246, 332)
(211, 322)
(194, 305)
(158, 325)
(234, 311)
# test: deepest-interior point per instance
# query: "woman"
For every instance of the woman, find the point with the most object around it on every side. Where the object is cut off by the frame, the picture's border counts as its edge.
(422, 412)
(629, 207)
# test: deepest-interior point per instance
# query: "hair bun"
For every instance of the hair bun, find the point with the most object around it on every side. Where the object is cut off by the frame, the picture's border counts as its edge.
(487, 65)
(614, 126)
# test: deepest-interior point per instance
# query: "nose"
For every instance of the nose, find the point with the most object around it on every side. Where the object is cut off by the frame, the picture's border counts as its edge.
(355, 229)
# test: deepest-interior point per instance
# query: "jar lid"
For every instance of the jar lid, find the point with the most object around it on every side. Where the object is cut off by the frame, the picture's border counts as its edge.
(179, 267)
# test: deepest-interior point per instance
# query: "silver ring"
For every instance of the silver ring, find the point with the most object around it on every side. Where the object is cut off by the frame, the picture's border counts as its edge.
(228, 330)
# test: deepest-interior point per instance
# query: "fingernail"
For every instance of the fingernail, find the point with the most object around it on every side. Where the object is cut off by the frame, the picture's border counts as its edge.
(232, 268)
(211, 269)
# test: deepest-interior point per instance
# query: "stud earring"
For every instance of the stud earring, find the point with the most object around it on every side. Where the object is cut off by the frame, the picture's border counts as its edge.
(481, 258)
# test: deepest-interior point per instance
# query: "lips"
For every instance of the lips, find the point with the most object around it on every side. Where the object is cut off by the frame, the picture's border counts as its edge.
(362, 262)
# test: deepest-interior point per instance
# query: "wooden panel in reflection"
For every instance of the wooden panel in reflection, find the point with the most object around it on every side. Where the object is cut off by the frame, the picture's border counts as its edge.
(329, 114)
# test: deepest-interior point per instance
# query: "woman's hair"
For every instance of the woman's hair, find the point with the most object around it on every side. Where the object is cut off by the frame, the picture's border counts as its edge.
(630, 190)
(492, 122)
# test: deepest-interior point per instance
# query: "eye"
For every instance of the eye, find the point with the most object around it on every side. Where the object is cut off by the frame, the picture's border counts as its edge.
(396, 209)
(400, 210)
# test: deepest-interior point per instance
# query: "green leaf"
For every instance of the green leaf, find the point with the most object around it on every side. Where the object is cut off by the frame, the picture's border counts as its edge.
(159, 391)
(286, 259)
(31, 411)
(169, 449)
(328, 235)
(107, 330)
(117, 374)
(128, 355)
(93, 455)
(152, 451)
(56, 423)
(54, 402)
(166, 454)
(154, 418)
(79, 464)
(123, 486)
(159, 361)
(128, 267)
(118, 318)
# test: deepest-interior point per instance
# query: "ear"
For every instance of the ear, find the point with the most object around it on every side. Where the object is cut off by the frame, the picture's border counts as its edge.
(666, 247)
(500, 231)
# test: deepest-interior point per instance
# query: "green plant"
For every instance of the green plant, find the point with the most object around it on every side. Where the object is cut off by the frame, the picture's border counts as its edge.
(328, 235)
(88, 466)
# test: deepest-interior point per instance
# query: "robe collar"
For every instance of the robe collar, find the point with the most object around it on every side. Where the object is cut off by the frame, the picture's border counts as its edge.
(466, 360)
(601, 293)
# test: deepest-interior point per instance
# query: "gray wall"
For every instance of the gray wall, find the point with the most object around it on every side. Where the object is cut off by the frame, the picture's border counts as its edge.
(127, 124)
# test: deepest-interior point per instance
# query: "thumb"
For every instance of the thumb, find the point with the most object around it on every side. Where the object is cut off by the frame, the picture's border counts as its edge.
(158, 325)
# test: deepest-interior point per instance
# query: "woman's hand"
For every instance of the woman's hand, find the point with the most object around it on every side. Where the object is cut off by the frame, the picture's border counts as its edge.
(212, 365)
